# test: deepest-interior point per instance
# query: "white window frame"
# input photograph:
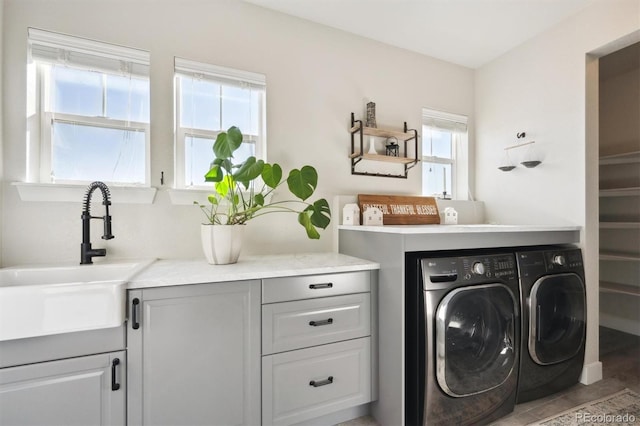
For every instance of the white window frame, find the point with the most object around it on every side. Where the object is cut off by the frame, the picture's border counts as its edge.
(459, 162)
(39, 121)
(220, 75)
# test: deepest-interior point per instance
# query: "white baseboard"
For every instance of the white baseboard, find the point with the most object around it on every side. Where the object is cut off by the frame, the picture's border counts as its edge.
(591, 373)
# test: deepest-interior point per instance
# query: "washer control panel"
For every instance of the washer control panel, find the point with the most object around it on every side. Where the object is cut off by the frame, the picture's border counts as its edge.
(468, 269)
(482, 267)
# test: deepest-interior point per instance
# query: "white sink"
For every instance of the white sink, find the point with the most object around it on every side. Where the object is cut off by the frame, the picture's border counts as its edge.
(44, 300)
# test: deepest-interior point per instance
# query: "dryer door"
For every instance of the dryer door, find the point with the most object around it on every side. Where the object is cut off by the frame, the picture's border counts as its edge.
(557, 318)
(475, 339)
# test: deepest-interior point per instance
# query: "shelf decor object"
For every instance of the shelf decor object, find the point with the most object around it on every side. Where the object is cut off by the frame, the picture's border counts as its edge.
(402, 209)
(371, 114)
(392, 146)
(358, 155)
(529, 163)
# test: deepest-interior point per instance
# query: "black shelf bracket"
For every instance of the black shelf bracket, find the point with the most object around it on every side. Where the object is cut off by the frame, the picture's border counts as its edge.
(356, 158)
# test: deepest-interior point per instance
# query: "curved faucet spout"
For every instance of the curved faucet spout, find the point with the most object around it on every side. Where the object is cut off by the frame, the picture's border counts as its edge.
(86, 252)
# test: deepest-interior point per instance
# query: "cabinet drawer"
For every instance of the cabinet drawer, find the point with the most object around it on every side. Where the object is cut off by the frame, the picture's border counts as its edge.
(307, 383)
(304, 323)
(306, 287)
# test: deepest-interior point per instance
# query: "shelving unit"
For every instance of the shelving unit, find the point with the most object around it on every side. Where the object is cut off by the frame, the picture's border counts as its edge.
(403, 137)
(619, 241)
(619, 179)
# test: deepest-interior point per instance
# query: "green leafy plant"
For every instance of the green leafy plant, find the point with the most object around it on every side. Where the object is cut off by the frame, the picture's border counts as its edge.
(243, 191)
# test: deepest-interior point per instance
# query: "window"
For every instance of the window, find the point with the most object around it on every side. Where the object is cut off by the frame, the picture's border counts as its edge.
(209, 100)
(87, 111)
(444, 154)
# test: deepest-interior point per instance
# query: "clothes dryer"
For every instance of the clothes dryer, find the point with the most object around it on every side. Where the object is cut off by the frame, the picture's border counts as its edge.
(553, 298)
(462, 338)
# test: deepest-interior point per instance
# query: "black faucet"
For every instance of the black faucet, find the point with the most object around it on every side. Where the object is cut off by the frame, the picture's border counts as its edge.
(86, 252)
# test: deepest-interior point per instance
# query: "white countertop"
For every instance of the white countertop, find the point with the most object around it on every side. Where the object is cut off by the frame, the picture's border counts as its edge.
(457, 229)
(179, 272)
(358, 240)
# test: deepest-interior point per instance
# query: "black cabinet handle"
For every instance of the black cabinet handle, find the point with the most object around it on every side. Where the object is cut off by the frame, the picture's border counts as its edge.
(135, 323)
(320, 286)
(319, 383)
(114, 365)
(321, 322)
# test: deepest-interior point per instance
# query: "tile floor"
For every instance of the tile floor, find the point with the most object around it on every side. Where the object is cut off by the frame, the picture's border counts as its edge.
(620, 357)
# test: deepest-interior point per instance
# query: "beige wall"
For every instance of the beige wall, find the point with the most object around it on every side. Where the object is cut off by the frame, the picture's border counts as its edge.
(541, 88)
(316, 77)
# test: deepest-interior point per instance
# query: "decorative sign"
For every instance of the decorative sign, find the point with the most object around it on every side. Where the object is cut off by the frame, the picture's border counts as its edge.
(402, 209)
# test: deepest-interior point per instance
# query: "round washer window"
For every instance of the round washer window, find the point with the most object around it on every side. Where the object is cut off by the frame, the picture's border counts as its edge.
(475, 342)
(557, 318)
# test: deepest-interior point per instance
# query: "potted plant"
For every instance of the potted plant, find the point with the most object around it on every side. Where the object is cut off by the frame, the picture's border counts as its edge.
(243, 192)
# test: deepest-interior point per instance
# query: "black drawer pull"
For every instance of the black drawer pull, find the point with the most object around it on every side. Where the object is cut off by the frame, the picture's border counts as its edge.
(320, 286)
(135, 324)
(319, 383)
(114, 384)
(321, 322)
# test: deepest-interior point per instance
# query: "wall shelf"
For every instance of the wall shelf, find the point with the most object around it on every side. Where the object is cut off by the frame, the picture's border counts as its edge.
(621, 257)
(619, 225)
(625, 158)
(620, 192)
(627, 289)
(404, 137)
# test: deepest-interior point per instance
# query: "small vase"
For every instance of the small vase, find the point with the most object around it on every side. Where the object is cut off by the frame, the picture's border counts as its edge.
(221, 244)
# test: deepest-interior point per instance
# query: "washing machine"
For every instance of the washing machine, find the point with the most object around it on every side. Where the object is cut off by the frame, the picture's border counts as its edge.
(553, 297)
(462, 338)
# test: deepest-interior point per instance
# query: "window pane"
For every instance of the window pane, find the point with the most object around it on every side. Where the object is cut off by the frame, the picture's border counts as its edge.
(246, 150)
(436, 142)
(236, 108)
(128, 98)
(434, 176)
(86, 153)
(199, 104)
(76, 91)
(199, 155)
(198, 158)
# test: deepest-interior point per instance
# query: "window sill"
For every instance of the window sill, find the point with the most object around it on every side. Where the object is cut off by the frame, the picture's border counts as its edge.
(75, 193)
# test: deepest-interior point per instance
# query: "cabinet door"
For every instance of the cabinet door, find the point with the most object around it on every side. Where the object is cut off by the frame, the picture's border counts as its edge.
(195, 355)
(82, 391)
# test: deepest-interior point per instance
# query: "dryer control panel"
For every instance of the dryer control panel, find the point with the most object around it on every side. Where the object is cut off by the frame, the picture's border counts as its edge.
(536, 263)
(563, 260)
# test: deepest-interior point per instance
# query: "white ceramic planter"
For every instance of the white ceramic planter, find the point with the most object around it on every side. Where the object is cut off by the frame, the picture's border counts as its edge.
(221, 244)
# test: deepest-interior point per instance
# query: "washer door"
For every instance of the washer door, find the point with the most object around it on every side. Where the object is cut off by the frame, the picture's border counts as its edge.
(475, 336)
(557, 318)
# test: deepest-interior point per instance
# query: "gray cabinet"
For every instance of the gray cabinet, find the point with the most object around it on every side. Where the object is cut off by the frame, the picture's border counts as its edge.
(88, 390)
(194, 354)
(316, 346)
